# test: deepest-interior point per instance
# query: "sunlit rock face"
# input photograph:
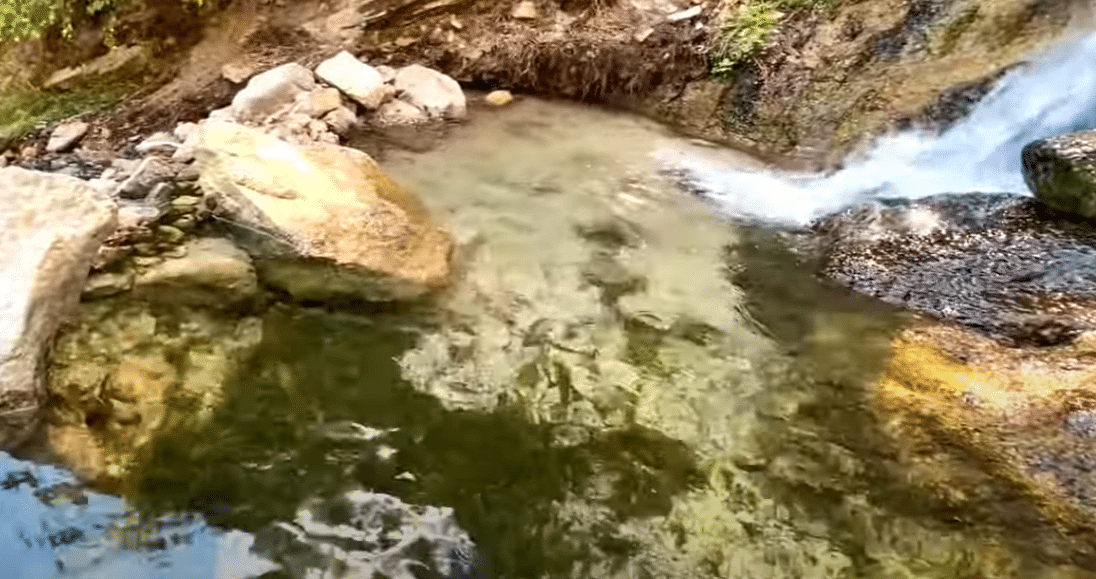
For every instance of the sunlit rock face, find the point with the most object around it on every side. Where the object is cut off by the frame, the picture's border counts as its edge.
(50, 228)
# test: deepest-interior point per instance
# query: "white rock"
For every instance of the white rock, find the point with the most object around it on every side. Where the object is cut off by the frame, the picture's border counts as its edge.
(183, 131)
(66, 135)
(270, 91)
(50, 229)
(353, 77)
(398, 112)
(525, 10)
(158, 143)
(387, 73)
(685, 14)
(236, 72)
(319, 102)
(435, 93)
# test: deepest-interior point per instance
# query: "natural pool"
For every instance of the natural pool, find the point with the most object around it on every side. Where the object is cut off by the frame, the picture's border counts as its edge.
(620, 384)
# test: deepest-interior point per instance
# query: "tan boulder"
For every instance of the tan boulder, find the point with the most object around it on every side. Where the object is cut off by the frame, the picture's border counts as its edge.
(321, 221)
(1006, 433)
(50, 229)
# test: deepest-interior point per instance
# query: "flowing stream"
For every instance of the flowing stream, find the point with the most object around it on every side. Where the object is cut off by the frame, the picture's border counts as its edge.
(621, 384)
(1053, 94)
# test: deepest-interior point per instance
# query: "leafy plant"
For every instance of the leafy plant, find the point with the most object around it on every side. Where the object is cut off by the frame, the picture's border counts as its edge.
(741, 34)
(24, 19)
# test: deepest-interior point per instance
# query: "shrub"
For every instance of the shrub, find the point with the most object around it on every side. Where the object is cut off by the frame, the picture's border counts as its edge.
(741, 34)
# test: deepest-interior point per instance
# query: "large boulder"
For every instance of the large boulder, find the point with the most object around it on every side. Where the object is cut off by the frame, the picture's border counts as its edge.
(1061, 171)
(322, 221)
(50, 229)
(267, 93)
(435, 93)
(1003, 264)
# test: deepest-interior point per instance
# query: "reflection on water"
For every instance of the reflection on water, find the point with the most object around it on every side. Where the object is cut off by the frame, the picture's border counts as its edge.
(620, 385)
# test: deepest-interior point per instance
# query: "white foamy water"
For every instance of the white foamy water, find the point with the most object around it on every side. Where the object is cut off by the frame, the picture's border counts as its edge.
(1054, 94)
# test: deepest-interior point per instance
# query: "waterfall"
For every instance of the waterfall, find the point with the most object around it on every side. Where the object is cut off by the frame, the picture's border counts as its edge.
(1055, 93)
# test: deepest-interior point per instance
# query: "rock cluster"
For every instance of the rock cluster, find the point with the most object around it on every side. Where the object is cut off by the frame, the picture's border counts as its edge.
(180, 240)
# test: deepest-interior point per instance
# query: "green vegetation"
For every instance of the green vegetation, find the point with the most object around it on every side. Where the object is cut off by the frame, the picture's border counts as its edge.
(24, 19)
(23, 111)
(741, 34)
(744, 30)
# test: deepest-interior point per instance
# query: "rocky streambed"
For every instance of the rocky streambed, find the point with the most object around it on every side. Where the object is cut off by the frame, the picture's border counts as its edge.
(546, 361)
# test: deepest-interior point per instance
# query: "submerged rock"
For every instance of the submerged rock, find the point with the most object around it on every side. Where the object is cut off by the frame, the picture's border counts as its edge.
(1003, 264)
(373, 535)
(322, 221)
(50, 229)
(1003, 433)
(1061, 171)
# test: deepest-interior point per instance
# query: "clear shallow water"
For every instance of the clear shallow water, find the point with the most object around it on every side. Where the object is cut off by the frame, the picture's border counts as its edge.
(620, 385)
(1054, 93)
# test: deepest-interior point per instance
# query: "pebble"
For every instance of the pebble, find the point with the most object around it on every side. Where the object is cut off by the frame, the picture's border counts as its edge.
(499, 98)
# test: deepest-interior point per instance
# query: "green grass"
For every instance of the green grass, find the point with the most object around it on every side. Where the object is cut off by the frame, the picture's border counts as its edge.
(23, 111)
(745, 30)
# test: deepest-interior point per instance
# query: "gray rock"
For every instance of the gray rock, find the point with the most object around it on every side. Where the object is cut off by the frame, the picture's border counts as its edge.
(1003, 264)
(369, 534)
(435, 93)
(66, 135)
(1061, 171)
(340, 120)
(213, 273)
(161, 142)
(50, 229)
(270, 91)
(353, 77)
(398, 112)
(1082, 423)
(150, 173)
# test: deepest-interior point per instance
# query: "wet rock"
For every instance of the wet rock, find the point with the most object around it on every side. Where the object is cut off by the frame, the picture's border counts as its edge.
(121, 374)
(66, 135)
(435, 93)
(369, 534)
(1002, 264)
(1061, 171)
(357, 80)
(269, 91)
(499, 98)
(322, 221)
(151, 172)
(51, 227)
(340, 120)
(398, 112)
(1004, 432)
(212, 273)
(106, 284)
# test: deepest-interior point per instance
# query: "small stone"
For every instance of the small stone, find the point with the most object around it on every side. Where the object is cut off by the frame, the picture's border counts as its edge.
(185, 203)
(685, 14)
(124, 413)
(66, 135)
(237, 72)
(644, 35)
(151, 172)
(158, 143)
(437, 94)
(340, 120)
(29, 152)
(399, 112)
(525, 10)
(499, 98)
(169, 234)
(319, 102)
(185, 223)
(188, 174)
(104, 284)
